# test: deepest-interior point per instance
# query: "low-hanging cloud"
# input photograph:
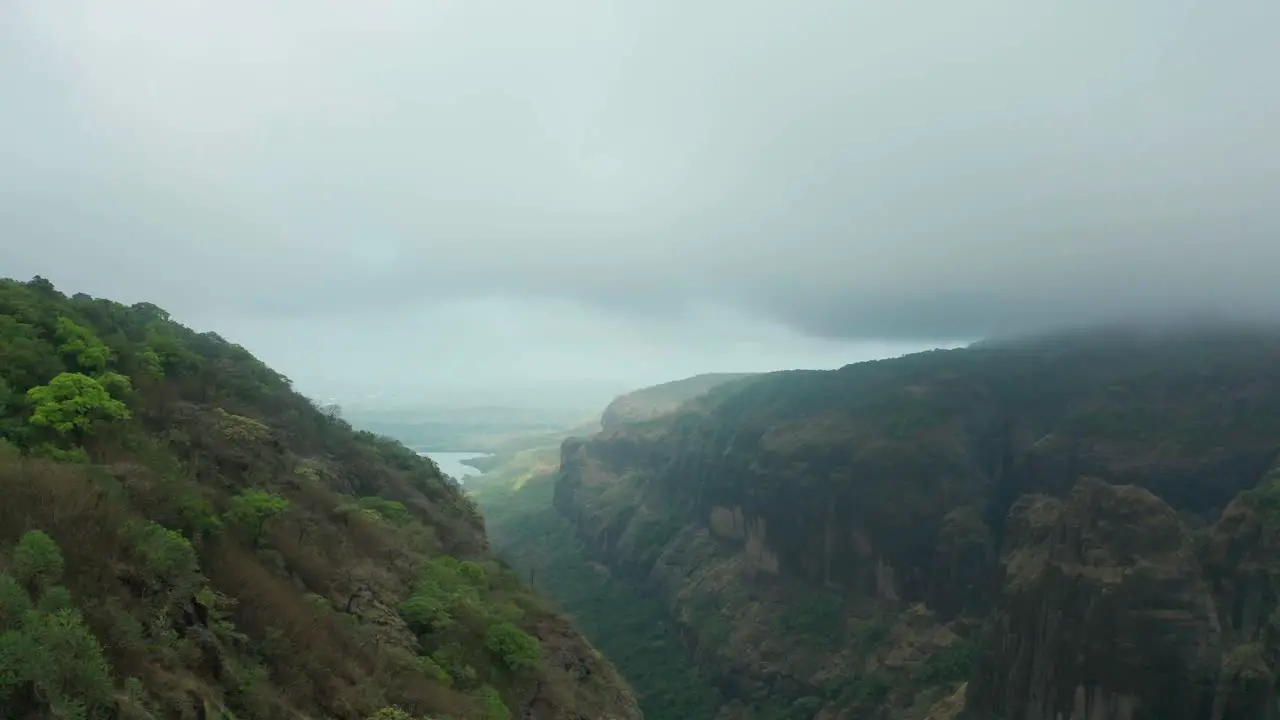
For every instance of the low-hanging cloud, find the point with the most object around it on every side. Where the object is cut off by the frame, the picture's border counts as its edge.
(850, 168)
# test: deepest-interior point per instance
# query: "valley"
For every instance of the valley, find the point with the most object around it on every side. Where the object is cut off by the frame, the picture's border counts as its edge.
(889, 540)
(1077, 525)
(642, 360)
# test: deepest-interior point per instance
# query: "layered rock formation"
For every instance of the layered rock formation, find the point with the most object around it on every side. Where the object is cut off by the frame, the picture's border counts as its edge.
(792, 522)
(1103, 612)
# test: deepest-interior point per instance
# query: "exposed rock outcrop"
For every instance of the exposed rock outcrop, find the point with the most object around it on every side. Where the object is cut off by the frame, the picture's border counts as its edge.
(1103, 614)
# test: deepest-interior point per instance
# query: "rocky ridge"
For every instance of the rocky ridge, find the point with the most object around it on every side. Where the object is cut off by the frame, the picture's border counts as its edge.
(864, 542)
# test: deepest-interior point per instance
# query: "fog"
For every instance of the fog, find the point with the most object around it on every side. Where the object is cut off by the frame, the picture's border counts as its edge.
(517, 202)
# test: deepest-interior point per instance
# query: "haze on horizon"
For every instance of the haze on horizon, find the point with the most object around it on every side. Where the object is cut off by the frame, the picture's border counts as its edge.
(562, 200)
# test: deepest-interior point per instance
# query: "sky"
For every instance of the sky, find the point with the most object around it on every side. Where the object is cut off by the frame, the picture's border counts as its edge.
(500, 201)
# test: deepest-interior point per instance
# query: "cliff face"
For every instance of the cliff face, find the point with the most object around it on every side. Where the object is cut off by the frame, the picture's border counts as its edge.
(1103, 613)
(792, 521)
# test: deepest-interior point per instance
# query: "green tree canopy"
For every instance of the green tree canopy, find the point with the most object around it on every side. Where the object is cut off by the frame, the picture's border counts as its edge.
(80, 344)
(252, 509)
(37, 560)
(71, 402)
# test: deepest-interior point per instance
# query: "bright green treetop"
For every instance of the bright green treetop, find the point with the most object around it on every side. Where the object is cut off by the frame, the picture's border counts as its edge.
(252, 509)
(71, 402)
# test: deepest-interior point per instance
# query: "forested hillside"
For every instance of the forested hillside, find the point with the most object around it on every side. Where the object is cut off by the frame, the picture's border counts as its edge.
(184, 536)
(1079, 525)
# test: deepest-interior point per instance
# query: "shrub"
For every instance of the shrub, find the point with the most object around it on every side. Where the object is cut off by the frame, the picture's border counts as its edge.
(491, 702)
(253, 509)
(950, 664)
(424, 612)
(14, 602)
(165, 554)
(516, 648)
(59, 659)
(37, 561)
(55, 598)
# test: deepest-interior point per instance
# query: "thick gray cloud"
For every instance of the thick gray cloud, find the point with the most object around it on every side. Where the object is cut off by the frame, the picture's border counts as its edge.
(850, 169)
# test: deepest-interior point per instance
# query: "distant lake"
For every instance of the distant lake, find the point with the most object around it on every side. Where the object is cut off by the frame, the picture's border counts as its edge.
(451, 463)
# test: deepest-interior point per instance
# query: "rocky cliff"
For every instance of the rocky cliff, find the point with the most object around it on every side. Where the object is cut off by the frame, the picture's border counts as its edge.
(1103, 612)
(831, 541)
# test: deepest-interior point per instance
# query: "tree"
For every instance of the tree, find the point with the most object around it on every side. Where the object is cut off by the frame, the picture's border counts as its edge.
(516, 648)
(82, 345)
(151, 364)
(57, 657)
(71, 402)
(253, 509)
(37, 560)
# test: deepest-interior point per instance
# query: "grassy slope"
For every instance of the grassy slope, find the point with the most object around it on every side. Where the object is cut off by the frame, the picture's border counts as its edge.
(212, 545)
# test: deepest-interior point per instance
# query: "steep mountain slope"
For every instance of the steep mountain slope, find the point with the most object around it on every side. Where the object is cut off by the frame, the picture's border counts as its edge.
(853, 543)
(657, 400)
(516, 494)
(182, 535)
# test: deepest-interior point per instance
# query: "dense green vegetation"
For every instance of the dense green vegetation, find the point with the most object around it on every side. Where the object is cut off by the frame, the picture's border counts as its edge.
(629, 625)
(183, 535)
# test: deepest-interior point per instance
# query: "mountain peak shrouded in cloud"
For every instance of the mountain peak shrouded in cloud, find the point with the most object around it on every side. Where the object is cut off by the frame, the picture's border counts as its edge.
(307, 175)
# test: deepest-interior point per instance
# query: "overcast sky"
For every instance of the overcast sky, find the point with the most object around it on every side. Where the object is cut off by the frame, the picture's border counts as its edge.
(431, 196)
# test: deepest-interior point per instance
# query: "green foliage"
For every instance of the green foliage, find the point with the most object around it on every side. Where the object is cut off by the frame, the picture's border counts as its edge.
(819, 616)
(517, 649)
(951, 664)
(430, 668)
(623, 620)
(83, 347)
(252, 509)
(151, 365)
(192, 431)
(167, 556)
(453, 608)
(491, 702)
(7, 397)
(46, 651)
(37, 561)
(115, 383)
(377, 508)
(71, 402)
(14, 602)
(426, 612)
(71, 456)
(54, 599)
(64, 663)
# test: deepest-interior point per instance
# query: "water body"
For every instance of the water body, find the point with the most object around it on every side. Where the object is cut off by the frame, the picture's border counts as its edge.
(451, 463)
